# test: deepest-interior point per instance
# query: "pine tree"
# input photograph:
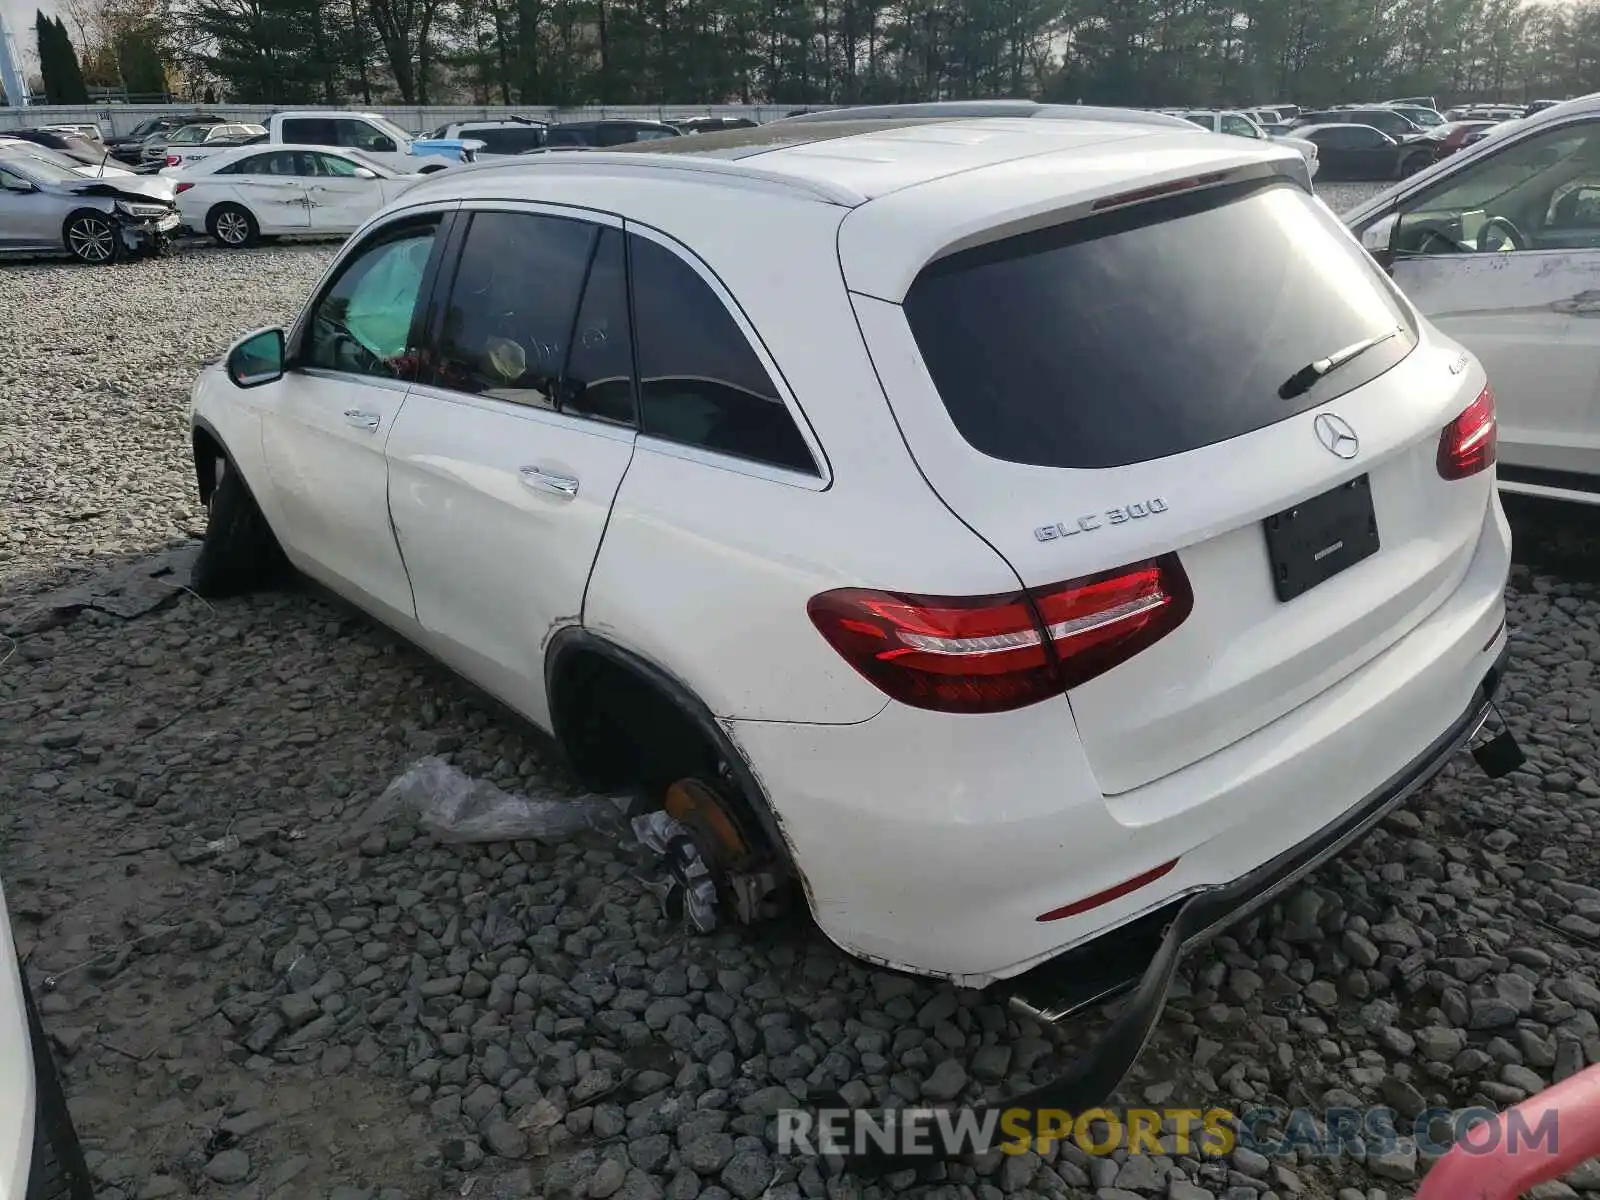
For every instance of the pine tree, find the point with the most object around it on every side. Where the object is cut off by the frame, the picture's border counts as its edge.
(49, 57)
(74, 90)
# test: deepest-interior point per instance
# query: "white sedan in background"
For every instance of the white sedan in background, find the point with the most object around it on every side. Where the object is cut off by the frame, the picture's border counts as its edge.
(249, 192)
(1238, 124)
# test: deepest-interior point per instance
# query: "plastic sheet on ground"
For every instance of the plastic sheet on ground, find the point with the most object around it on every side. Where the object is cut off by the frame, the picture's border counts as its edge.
(454, 807)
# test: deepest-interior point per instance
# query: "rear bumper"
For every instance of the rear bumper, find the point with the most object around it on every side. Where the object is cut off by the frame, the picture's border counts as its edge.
(932, 843)
(1148, 956)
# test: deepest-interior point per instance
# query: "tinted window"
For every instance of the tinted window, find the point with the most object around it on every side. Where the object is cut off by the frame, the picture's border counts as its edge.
(700, 382)
(1101, 342)
(358, 135)
(510, 316)
(283, 162)
(567, 137)
(598, 381)
(328, 164)
(1365, 138)
(506, 141)
(309, 131)
(362, 323)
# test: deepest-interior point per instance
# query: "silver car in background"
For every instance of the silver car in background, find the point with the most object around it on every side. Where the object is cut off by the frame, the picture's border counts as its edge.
(48, 208)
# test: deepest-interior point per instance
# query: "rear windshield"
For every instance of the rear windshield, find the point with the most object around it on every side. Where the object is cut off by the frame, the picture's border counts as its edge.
(507, 140)
(1152, 330)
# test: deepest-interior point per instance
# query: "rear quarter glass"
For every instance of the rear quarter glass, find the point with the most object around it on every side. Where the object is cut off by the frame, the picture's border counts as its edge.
(1152, 330)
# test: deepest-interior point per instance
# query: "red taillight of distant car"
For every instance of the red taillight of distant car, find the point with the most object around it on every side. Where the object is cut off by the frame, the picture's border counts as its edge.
(184, 187)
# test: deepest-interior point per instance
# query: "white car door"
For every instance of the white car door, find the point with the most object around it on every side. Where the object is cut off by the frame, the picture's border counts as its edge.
(271, 186)
(1504, 256)
(505, 461)
(351, 358)
(340, 193)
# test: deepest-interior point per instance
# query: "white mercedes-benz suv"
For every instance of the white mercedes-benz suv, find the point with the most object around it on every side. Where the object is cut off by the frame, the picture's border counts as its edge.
(40, 1158)
(1012, 531)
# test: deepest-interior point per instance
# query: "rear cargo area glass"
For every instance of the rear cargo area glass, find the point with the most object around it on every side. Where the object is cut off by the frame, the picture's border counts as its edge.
(1150, 330)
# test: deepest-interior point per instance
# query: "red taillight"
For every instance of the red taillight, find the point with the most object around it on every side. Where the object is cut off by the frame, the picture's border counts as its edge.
(995, 653)
(1157, 190)
(173, 160)
(184, 187)
(1467, 444)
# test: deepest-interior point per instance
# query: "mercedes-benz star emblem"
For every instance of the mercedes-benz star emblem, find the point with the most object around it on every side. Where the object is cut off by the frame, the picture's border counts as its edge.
(1336, 435)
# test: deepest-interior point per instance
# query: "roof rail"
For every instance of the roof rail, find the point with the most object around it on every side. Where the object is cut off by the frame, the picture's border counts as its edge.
(728, 171)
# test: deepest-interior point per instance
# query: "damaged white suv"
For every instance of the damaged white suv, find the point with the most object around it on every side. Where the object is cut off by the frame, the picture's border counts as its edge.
(39, 1154)
(1013, 531)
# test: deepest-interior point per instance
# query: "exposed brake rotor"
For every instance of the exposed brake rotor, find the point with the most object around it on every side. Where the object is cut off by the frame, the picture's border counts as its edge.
(712, 854)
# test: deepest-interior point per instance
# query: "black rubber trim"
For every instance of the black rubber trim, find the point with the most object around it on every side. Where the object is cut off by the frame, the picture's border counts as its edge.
(575, 638)
(1570, 481)
(1090, 1081)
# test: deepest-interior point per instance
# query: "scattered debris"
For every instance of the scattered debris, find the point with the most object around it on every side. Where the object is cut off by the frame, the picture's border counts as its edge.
(454, 807)
(126, 591)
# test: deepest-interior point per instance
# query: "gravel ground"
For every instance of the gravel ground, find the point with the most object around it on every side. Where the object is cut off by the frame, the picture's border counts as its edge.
(254, 996)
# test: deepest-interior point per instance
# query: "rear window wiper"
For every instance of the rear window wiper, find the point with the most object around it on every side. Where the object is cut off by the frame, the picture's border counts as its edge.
(1303, 380)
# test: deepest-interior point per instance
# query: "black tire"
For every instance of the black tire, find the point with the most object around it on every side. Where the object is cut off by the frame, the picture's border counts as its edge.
(56, 1170)
(239, 553)
(233, 227)
(1413, 163)
(91, 237)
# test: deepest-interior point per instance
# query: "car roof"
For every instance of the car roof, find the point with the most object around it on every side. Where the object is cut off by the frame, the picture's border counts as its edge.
(1302, 130)
(602, 122)
(949, 109)
(851, 162)
(884, 198)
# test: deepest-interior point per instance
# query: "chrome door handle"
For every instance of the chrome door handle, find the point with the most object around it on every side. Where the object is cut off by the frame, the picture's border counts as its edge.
(549, 481)
(362, 420)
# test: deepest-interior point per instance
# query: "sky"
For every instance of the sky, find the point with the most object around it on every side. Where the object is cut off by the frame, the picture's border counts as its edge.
(19, 15)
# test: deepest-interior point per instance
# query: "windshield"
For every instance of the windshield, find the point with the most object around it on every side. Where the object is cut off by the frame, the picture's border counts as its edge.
(43, 154)
(40, 170)
(1513, 167)
(371, 164)
(400, 136)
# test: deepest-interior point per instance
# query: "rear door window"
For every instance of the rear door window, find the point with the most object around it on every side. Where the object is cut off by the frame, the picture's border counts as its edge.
(513, 306)
(700, 381)
(1107, 341)
(309, 131)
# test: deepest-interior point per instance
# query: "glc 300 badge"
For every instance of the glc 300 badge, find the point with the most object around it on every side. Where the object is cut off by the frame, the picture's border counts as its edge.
(1089, 522)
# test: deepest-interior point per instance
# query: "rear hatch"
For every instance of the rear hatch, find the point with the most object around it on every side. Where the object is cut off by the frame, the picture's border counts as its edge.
(1115, 390)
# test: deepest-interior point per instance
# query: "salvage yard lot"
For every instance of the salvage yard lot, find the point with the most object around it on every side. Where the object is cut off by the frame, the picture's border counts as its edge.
(256, 996)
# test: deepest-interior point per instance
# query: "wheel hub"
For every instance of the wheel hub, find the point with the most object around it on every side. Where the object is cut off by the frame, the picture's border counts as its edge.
(713, 855)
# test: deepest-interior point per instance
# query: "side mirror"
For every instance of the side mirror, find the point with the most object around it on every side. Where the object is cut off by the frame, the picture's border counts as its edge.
(256, 358)
(1377, 239)
(364, 173)
(22, 185)
(383, 145)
